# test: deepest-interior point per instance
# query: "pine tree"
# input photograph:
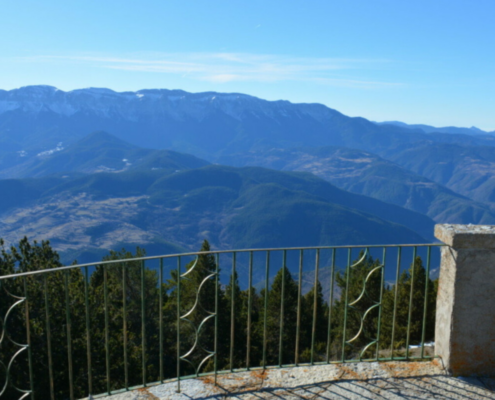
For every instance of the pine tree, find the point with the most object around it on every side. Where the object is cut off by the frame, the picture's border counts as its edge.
(120, 346)
(403, 288)
(256, 337)
(236, 324)
(281, 319)
(320, 335)
(64, 297)
(360, 288)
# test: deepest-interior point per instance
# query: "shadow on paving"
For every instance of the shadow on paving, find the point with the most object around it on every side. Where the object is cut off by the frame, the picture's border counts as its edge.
(372, 381)
(419, 387)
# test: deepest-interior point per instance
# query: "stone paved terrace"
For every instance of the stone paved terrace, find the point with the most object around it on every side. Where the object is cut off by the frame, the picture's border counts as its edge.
(385, 380)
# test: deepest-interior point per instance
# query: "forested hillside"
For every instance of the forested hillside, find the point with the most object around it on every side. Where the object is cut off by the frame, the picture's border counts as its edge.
(368, 174)
(167, 211)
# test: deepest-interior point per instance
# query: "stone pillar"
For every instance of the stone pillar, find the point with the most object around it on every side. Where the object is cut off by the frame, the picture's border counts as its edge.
(465, 318)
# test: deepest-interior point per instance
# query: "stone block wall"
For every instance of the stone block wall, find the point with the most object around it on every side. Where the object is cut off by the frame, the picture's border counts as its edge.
(465, 319)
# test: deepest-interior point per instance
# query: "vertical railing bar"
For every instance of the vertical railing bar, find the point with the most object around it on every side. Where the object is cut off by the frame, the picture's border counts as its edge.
(69, 338)
(396, 296)
(178, 324)
(265, 320)
(282, 301)
(28, 337)
(315, 298)
(232, 312)
(299, 297)
(88, 330)
(48, 339)
(425, 309)
(348, 268)
(250, 288)
(107, 344)
(411, 296)
(160, 315)
(124, 322)
(143, 322)
(330, 306)
(380, 307)
(217, 273)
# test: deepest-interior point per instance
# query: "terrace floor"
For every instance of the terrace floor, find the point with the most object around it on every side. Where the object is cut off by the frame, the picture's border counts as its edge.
(384, 380)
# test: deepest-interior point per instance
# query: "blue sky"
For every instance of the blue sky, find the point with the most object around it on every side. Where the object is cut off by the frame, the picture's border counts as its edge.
(418, 61)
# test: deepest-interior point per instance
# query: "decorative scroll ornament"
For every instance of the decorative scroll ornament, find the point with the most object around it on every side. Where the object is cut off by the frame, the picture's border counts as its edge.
(4, 337)
(197, 329)
(363, 315)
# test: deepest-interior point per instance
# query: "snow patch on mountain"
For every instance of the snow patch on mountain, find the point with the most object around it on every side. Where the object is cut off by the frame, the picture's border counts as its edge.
(50, 152)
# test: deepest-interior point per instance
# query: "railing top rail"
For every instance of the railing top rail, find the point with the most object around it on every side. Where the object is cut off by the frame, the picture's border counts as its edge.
(197, 253)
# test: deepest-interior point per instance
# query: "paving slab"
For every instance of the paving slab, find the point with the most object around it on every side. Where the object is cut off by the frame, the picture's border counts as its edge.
(384, 380)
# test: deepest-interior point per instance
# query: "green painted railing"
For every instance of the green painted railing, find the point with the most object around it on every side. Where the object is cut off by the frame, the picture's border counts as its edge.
(117, 325)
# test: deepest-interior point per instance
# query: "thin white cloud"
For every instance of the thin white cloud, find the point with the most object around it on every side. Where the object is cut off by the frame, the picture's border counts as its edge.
(223, 78)
(230, 67)
(355, 83)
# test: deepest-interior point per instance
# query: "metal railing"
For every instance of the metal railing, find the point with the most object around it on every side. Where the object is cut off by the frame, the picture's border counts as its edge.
(120, 324)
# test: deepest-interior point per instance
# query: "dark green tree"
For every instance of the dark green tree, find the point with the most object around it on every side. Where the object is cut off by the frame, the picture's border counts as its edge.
(235, 328)
(403, 307)
(124, 285)
(256, 337)
(62, 301)
(321, 325)
(360, 288)
(281, 320)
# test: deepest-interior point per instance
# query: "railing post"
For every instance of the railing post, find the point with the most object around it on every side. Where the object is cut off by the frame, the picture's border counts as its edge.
(465, 315)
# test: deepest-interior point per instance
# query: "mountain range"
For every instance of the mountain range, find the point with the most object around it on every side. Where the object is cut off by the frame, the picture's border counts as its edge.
(166, 169)
(36, 119)
(171, 200)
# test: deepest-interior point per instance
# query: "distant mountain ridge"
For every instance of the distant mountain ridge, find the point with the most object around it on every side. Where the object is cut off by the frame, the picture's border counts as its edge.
(34, 119)
(106, 102)
(177, 103)
(432, 129)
